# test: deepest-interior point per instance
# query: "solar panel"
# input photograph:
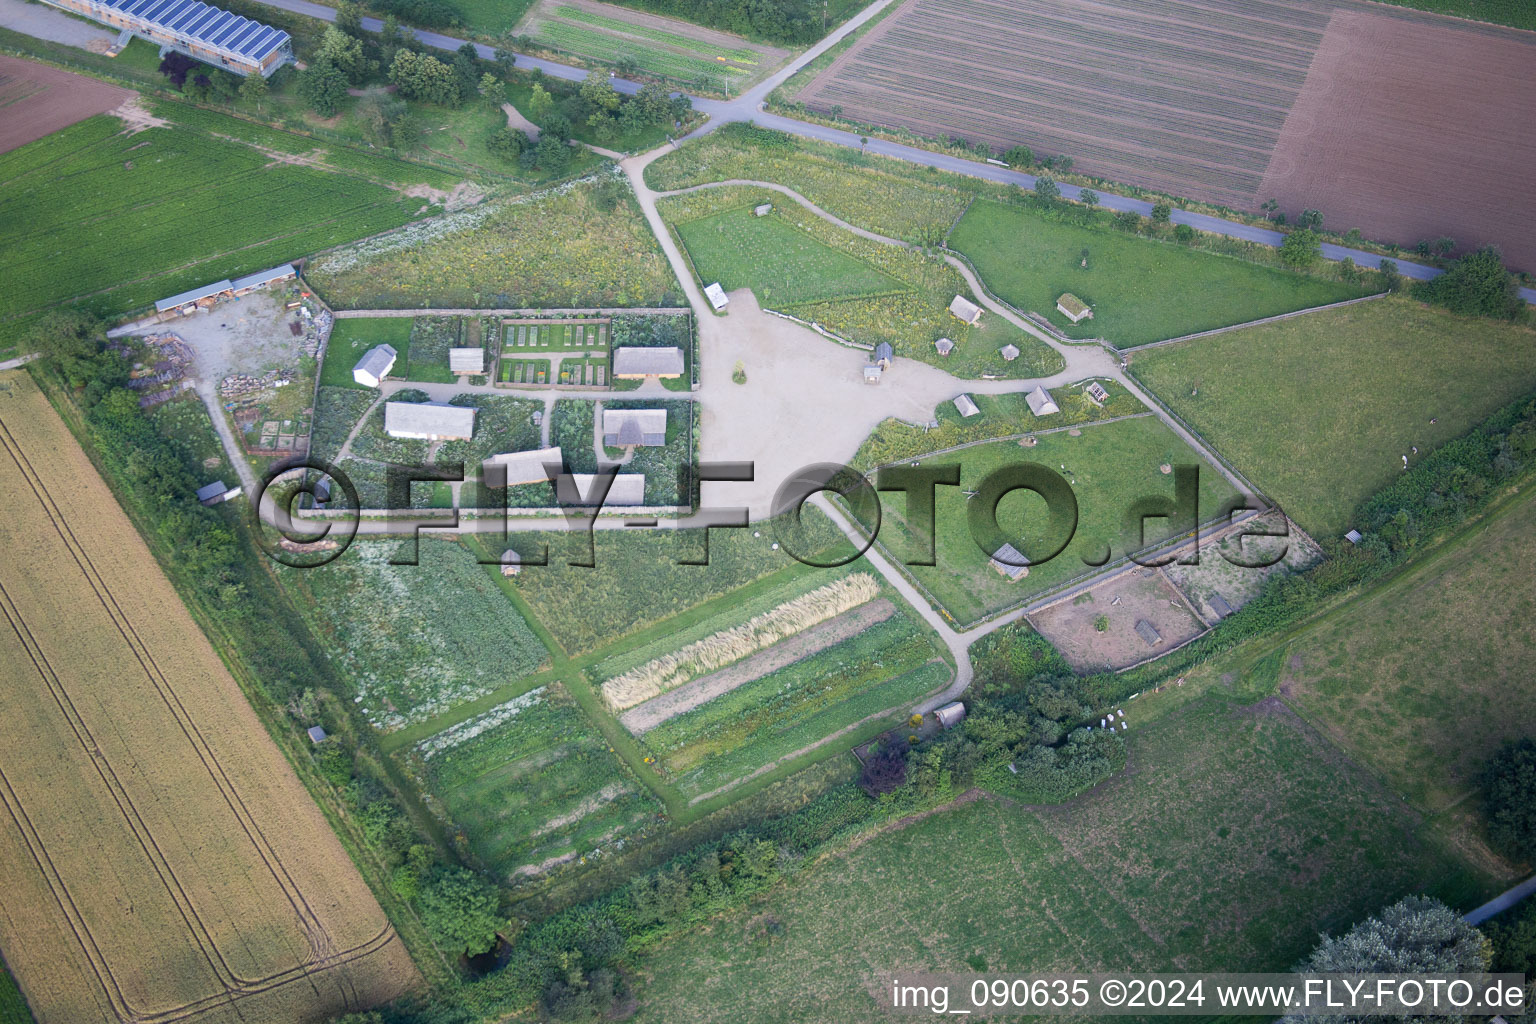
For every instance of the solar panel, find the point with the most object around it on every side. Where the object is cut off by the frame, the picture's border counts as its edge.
(239, 39)
(229, 32)
(158, 12)
(255, 43)
(181, 17)
(219, 24)
(262, 44)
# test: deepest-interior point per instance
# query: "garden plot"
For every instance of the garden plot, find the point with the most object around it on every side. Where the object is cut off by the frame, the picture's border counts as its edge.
(416, 640)
(838, 694)
(719, 649)
(532, 785)
(1097, 630)
(1217, 577)
(574, 429)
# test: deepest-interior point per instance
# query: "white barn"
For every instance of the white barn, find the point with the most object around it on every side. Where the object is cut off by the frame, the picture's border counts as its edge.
(375, 365)
(632, 363)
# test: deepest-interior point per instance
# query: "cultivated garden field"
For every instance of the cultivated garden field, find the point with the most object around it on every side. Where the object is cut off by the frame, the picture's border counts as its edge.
(1140, 290)
(416, 640)
(560, 248)
(864, 291)
(191, 200)
(1318, 411)
(1236, 835)
(1110, 466)
(122, 724)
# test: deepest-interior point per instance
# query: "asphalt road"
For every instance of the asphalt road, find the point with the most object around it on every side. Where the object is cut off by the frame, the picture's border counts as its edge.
(748, 107)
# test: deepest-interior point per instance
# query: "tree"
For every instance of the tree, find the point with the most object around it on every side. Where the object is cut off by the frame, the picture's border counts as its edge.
(598, 93)
(492, 90)
(1088, 197)
(323, 86)
(65, 334)
(466, 72)
(540, 104)
(1509, 799)
(1301, 249)
(1416, 935)
(253, 89)
(1183, 233)
(1390, 278)
(461, 911)
(1018, 156)
(1161, 213)
(505, 59)
(381, 114)
(1310, 219)
(419, 76)
(1128, 220)
(1269, 207)
(346, 54)
(176, 66)
(349, 18)
(1046, 189)
(1445, 245)
(1476, 285)
(885, 769)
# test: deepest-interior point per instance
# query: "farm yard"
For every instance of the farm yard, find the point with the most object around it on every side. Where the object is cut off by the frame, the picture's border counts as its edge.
(1096, 631)
(194, 197)
(532, 785)
(1237, 835)
(1320, 410)
(829, 276)
(661, 47)
(243, 902)
(1258, 102)
(1110, 467)
(1141, 290)
(39, 100)
(560, 248)
(416, 640)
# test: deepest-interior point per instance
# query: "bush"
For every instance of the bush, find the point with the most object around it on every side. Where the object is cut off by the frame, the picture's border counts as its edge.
(1476, 285)
(1301, 249)
(1184, 233)
(461, 911)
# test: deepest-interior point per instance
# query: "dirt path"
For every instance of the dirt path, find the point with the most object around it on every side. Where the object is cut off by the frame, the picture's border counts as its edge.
(641, 718)
(518, 123)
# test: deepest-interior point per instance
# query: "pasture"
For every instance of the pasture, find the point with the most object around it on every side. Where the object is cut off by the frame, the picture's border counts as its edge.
(1234, 837)
(1141, 290)
(1110, 466)
(413, 641)
(532, 784)
(226, 893)
(195, 197)
(1318, 411)
(1231, 102)
(910, 317)
(556, 249)
(1423, 679)
(661, 47)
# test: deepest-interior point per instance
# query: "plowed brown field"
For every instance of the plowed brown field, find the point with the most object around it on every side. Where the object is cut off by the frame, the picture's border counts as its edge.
(159, 861)
(39, 100)
(1363, 111)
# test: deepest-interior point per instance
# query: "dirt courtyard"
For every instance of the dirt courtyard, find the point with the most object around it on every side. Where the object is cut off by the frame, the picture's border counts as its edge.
(1137, 594)
(249, 335)
(1446, 150)
(39, 100)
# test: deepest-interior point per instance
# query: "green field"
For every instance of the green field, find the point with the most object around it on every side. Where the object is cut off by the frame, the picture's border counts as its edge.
(532, 784)
(557, 250)
(1110, 466)
(1423, 680)
(171, 208)
(812, 283)
(782, 265)
(1241, 836)
(415, 640)
(13, 1007)
(891, 664)
(1515, 13)
(1141, 290)
(1319, 411)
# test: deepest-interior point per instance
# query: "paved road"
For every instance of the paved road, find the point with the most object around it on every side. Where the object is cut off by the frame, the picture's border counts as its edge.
(749, 107)
(1503, 901)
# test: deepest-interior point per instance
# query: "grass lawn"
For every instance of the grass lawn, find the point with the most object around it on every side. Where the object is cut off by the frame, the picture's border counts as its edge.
(795, 259)
(1110, 466)
(1140, 289)
(1234, 837)
(1319, 411)
(177, 206)
(1424, 679)
(780, 263)
(351, 339)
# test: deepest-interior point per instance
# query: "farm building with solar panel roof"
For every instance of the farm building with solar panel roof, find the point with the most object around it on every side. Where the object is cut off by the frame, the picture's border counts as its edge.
(204, 33)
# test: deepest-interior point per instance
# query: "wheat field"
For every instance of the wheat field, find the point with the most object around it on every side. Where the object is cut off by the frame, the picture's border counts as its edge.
(159, 860)
(670, 671)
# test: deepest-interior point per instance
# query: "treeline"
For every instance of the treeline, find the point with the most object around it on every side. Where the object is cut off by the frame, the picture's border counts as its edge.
(208, 554)
(770, 21)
